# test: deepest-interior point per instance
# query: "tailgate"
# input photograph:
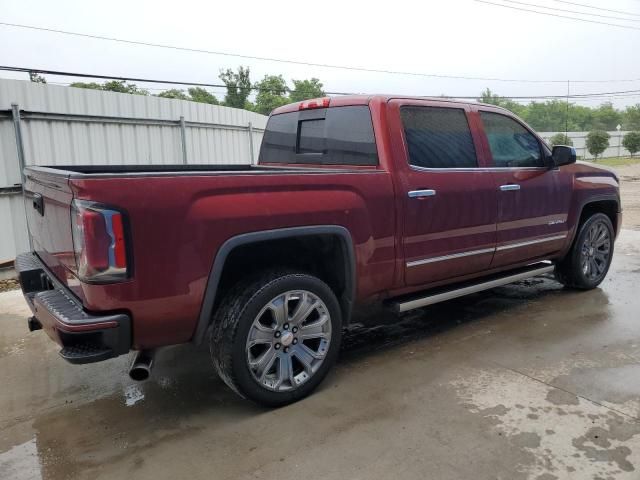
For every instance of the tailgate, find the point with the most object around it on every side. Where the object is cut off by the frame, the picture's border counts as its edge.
(47, 204)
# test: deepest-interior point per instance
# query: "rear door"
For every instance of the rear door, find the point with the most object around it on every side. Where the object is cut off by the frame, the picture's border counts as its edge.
(533, 199)
(450, 203)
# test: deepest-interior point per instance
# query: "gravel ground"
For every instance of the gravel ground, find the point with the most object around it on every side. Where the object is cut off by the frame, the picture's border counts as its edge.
(10, 284)
(630, 187)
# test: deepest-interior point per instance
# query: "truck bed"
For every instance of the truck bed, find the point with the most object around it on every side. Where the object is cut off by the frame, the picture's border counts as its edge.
(145, 168)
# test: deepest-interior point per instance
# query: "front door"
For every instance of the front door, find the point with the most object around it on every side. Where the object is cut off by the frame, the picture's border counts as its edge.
(533, 199)
(450, 204)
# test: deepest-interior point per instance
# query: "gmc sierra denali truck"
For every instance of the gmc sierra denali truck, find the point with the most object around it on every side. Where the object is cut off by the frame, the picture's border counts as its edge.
(404, 201)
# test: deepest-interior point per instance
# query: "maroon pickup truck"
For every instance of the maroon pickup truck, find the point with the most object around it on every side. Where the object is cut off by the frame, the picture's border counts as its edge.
(404, 201)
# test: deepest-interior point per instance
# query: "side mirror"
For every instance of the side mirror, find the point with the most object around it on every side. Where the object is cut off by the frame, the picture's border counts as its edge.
(563, 155)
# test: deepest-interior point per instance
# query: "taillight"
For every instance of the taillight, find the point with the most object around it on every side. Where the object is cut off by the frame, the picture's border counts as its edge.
(315, 103)
(99, 242)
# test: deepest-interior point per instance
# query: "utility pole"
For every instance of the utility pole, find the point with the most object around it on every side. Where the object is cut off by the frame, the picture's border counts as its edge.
(619, 127)
(566, 116)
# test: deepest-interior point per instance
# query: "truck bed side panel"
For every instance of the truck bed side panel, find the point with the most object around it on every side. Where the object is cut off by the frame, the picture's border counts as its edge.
(178, 223)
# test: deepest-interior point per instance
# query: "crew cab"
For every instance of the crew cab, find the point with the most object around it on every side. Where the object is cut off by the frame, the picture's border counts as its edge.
(355, 199)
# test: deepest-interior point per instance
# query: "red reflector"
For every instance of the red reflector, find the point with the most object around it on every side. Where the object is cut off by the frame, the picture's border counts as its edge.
(315, 103)
(120, 252)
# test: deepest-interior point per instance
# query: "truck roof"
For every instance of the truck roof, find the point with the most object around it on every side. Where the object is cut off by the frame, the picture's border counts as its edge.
(344, 100)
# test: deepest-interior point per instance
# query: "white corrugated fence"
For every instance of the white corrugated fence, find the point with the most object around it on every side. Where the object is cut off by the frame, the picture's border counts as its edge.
(73, 126)
(579, 140)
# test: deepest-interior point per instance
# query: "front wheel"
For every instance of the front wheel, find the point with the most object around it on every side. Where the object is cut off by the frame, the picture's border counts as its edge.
(276, 336)
(588, 261)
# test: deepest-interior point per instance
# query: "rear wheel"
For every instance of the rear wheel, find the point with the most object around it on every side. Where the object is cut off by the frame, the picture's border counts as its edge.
(588, 261)
(275, 337)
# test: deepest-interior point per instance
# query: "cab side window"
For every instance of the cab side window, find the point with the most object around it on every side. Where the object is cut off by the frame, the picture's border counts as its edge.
(438, 137)
(511, 144)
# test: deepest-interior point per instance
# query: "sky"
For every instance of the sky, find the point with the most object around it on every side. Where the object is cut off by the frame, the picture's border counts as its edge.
(453, 37)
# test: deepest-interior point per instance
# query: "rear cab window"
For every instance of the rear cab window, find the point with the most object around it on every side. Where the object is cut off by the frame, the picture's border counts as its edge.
(321, 136)
(438, 137)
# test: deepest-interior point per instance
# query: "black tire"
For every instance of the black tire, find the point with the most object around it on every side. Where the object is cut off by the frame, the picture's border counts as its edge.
(235, 318)
(570, 271)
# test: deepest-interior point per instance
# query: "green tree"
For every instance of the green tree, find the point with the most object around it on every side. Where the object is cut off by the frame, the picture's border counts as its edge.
(597, 142)
(490, 98)
(35, 78)
(487, 96)
(113, 86)
(556, 115)
(121, 86)
(201, 95)
(560, 139)
(174, 93)
(549, 116)
(306, 89)
(90, 85)
(605, 117)
(580, 118)
(272, 91)
(631, 142)
(238, 87)
(631, 118)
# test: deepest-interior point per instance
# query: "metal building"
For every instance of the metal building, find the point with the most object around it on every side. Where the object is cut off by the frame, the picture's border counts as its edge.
(73, 126)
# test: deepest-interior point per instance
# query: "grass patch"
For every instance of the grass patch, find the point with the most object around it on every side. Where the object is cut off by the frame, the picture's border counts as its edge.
(616, 161)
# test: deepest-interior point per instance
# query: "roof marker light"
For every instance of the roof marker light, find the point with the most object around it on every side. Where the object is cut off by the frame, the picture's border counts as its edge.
(314, 103)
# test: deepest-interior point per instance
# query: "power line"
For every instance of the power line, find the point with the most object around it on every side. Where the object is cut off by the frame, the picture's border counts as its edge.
(200, 84)
(297, 62)
(629, 27)
(597, 8)
(145, 80)
(572, 11)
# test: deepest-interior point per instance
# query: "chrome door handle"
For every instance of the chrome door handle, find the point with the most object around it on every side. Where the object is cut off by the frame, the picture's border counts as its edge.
(510, 187)
(421, 193)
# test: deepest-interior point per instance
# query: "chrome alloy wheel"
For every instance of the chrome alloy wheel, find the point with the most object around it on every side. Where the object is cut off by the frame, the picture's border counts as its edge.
(595, 251)
(288, 340)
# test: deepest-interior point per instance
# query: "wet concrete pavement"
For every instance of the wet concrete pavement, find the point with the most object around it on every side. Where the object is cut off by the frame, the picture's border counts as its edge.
(525, 381)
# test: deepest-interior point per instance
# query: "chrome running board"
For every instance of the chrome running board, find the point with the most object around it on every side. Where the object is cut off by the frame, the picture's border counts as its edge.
(440, 295)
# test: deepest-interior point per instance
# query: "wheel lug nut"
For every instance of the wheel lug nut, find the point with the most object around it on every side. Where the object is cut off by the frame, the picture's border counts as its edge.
(295, 340)
(286, 349)
(294, 329)
(286, 326)
(277, 346)
(277, 335)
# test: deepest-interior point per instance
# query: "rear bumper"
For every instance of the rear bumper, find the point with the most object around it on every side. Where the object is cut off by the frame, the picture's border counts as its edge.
(83, 336)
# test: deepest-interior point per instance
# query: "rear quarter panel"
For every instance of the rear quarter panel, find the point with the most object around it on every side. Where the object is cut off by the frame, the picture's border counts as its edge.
(179, 222)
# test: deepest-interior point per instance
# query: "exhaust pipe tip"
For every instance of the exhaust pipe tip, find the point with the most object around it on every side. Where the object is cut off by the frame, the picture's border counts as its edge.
(34, 324)
(140, 369)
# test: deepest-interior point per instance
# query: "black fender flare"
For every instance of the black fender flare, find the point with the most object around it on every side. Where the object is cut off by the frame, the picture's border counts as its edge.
(596, 198)
(208, 302)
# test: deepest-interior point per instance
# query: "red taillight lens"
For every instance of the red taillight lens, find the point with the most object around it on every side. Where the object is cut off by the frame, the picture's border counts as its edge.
(99, 242)
(315, 103)
(119, 247)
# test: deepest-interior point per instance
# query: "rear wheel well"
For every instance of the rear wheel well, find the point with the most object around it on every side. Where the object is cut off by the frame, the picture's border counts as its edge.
(608, 207)
(323, 256)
